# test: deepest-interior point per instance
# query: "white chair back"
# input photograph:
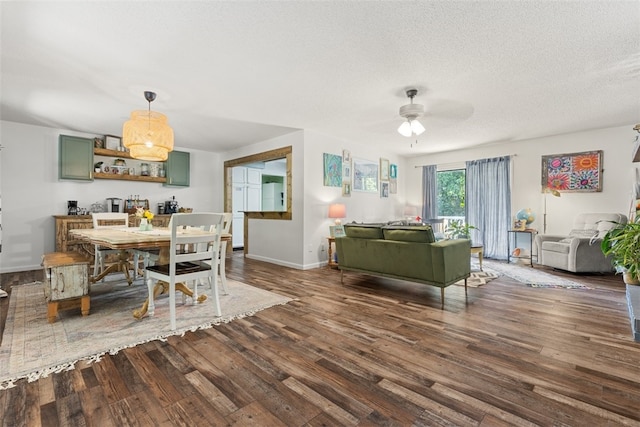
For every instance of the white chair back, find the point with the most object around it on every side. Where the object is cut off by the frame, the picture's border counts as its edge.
(110, 219)
(200, 232)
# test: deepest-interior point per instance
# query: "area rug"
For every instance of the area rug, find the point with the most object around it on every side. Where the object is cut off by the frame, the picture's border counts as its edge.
(33, 348)
(478, 278)
(532, 277)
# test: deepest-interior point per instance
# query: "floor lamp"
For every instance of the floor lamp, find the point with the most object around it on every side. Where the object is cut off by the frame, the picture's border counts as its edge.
(546, 191)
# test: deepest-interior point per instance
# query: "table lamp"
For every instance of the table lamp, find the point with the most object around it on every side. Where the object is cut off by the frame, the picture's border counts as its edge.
(410, 212)
(337, 211)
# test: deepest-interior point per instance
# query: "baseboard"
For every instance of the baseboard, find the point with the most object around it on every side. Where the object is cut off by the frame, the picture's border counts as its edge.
(287, 264)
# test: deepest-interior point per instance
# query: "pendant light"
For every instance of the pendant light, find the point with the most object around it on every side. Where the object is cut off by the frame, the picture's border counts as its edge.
(147, 135)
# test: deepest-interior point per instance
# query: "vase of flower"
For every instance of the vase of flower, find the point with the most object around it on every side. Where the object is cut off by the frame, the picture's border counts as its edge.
(143, 224)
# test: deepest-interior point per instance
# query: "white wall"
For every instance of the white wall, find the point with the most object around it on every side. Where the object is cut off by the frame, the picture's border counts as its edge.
(276, 241)
(616, 144)
(301, 243)
(361, 207)
(32, 193)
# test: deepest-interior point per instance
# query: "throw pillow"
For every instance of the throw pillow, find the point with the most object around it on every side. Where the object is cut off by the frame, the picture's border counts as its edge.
(364, 231)
(409, 233)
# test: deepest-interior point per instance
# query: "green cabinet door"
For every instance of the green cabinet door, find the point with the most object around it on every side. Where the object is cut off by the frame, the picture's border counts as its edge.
(178, 169)
(75, 158)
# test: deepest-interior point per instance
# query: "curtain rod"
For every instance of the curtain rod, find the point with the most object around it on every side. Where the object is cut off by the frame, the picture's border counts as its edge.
(456, 163)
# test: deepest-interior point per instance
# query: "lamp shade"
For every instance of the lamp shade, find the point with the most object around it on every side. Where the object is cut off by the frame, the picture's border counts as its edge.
(405, 129)
(337, 211)
(148, 136)
(411, 127)
(416, 127)
(410, 211)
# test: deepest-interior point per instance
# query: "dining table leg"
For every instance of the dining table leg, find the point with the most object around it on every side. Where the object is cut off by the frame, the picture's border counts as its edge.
(122, 265)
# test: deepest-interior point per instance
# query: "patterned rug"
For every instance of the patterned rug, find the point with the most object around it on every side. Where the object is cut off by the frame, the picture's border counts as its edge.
(532, 277)
(478, 278)
(32, 348)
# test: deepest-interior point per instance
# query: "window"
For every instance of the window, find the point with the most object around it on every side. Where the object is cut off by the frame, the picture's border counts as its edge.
(451, 194)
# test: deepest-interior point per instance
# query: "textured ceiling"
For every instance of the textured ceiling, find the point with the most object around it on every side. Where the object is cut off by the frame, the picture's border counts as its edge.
(229, 74)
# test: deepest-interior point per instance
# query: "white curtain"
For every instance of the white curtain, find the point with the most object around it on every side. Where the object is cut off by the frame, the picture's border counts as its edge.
(488, 204)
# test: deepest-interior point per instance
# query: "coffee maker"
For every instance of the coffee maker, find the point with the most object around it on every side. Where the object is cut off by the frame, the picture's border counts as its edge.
(171, 206)
(72, 207)
(114, 204)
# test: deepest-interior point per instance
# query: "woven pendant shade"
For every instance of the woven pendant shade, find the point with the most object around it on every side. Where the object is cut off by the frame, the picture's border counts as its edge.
(148, 135)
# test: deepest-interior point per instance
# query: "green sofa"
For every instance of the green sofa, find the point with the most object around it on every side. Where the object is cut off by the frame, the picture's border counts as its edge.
(404, 252)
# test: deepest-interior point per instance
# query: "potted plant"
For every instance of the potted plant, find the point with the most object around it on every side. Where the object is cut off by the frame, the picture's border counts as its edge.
(622, 243)
(458, 229)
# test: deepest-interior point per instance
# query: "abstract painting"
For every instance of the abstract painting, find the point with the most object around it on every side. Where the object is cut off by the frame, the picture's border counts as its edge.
(332, 170)
(573, 172)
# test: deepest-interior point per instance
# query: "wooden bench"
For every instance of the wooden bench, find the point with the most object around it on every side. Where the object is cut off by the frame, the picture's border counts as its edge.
(66, 282)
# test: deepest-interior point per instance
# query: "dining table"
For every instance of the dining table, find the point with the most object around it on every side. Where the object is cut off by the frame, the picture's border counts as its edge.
(124, 238)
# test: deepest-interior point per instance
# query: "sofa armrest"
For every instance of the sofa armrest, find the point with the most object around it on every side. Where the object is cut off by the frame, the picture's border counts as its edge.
(586, 255)
(451, 259)
(541, 238)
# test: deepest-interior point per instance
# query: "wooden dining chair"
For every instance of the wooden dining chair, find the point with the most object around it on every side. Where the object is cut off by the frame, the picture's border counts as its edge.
(201, 233)
(108, 220)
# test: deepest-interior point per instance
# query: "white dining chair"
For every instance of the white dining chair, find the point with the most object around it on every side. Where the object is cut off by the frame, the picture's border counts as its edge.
(226, 226)
(108, 220)
(201, 233)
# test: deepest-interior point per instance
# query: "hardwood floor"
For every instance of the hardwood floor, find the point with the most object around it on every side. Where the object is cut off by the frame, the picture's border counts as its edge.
(369, 352)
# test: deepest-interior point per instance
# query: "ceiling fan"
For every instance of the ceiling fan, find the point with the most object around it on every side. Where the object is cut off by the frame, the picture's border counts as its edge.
(411, 112)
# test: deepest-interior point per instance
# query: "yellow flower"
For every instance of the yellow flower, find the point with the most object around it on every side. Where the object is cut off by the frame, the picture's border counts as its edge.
(148, 215)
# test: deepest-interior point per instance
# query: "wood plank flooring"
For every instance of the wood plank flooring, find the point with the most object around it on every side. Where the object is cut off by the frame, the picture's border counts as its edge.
(369, 352)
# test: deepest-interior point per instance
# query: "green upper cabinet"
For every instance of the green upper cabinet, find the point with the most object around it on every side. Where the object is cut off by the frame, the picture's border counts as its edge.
(178, 169)
(75, 158)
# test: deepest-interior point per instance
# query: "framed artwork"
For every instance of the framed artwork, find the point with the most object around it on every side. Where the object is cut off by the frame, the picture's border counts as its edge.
(384, 169)
(573, 172)
(393, 186)
(519, 225)
(112, 142)
(332, 170)
(346, 156)
(346, 171)
(393, 171)
(346, 189)
(384, 189)
(365, 176)
(336, 231)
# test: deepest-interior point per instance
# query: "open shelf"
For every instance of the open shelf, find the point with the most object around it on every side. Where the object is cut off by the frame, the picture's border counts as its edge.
(139, 178)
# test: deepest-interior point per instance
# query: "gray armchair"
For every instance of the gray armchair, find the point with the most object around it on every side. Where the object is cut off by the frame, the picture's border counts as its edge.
(579, 250)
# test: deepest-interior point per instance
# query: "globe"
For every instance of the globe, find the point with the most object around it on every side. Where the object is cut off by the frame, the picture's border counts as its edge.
(526, 215)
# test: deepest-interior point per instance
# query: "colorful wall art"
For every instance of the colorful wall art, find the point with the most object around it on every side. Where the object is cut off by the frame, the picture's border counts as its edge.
(574, 172)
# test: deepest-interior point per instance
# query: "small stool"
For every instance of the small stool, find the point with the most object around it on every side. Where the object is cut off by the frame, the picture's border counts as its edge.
(66, 282)
(478, 249)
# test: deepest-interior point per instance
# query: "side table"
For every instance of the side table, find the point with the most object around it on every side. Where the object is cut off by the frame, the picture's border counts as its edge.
(332, 262)
(66, 280)
(514, 234)
(479, 250)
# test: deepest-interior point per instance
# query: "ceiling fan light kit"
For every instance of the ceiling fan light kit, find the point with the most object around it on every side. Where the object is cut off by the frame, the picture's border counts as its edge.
(148, 135)
(411, 112)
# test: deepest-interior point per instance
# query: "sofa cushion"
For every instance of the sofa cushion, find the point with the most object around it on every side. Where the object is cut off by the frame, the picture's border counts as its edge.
(364, 231)
(409, 233)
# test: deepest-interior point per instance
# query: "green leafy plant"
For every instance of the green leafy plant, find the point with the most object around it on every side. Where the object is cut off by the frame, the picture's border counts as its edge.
(458, 229)
(622, 243)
